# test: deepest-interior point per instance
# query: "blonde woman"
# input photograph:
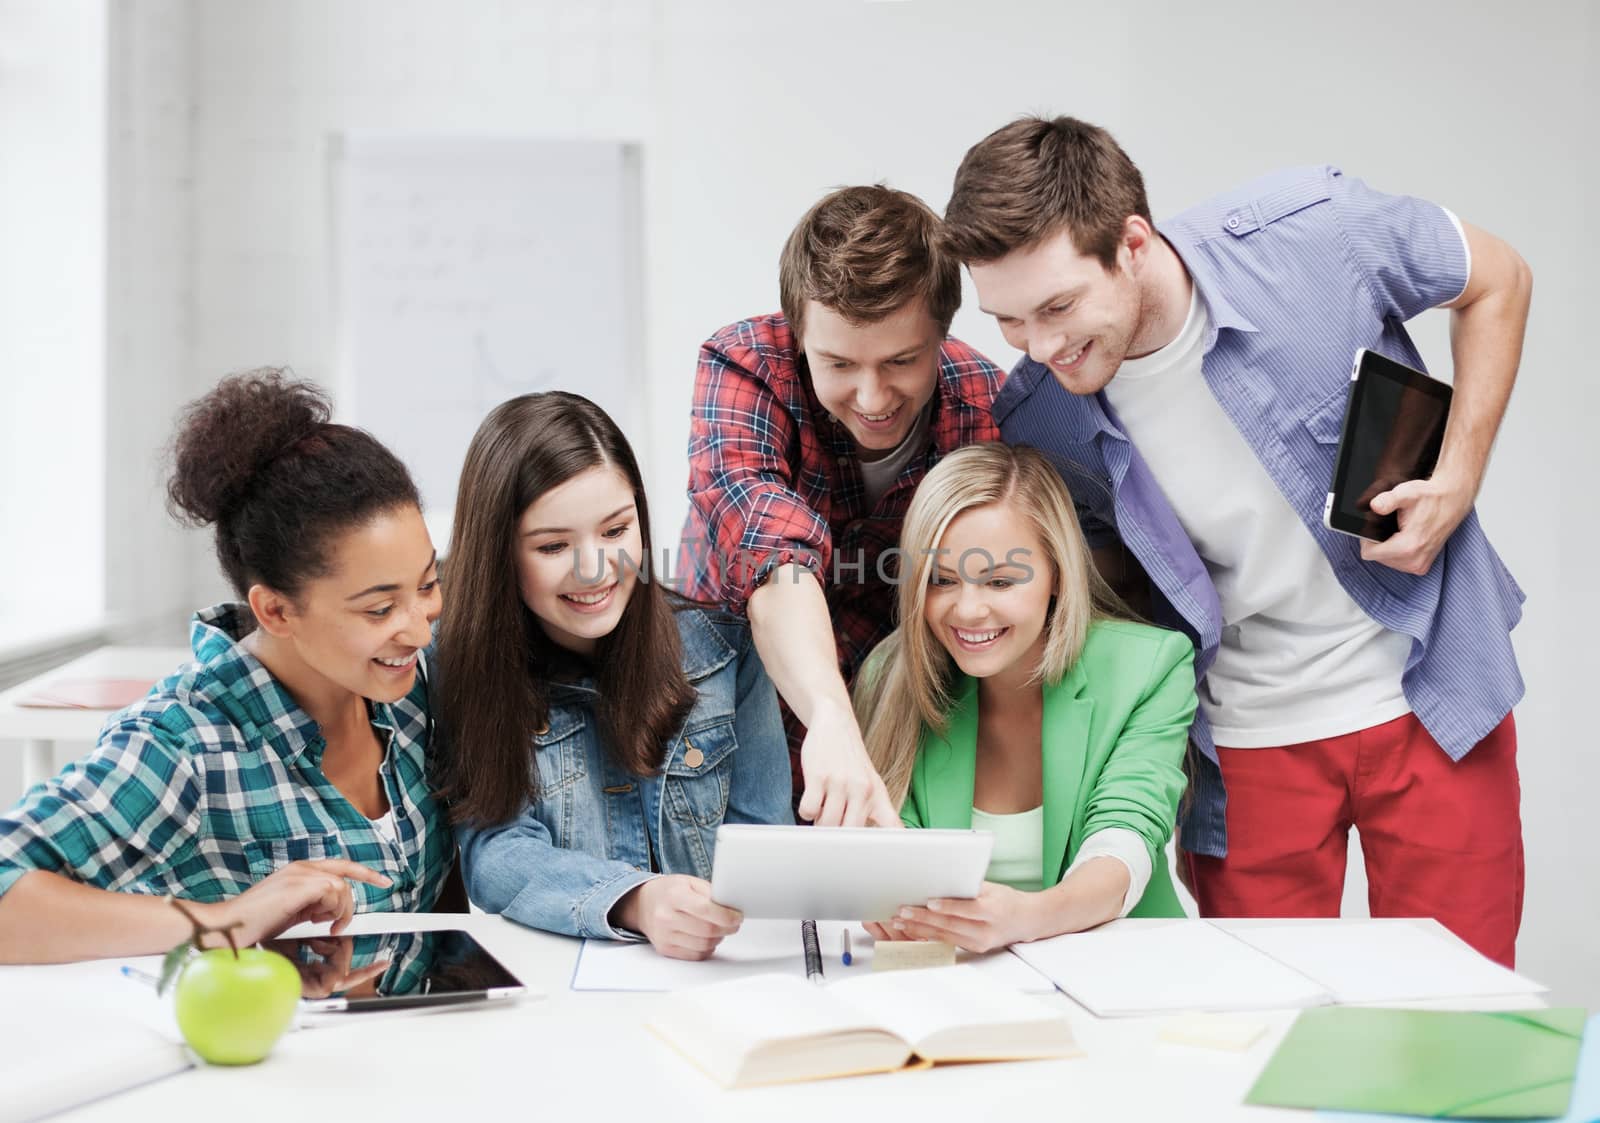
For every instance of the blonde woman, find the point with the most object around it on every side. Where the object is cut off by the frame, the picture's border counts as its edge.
(1017, 697)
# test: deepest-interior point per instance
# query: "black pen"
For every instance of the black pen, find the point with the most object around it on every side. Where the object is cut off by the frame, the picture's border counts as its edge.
(808, 940)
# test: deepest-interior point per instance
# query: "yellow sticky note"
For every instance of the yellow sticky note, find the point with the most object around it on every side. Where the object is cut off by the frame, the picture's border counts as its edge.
(1211, 1031)
(902, 955)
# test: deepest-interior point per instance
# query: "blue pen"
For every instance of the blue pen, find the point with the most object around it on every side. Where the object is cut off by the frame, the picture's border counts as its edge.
(845, 958)
(140, 976)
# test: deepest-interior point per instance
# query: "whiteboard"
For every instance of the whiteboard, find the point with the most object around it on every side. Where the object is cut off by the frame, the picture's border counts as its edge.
(473, 269)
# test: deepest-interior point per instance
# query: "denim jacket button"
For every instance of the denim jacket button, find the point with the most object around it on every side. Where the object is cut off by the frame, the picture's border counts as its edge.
(694, 758)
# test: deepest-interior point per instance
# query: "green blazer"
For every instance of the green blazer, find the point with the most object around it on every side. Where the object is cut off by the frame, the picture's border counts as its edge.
(1114, 733)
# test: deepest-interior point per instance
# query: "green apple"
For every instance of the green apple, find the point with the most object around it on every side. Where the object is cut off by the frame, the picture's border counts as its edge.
(232, 1008)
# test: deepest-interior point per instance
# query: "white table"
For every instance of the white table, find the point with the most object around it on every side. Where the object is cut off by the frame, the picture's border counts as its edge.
(587, 1056)
(40, 729)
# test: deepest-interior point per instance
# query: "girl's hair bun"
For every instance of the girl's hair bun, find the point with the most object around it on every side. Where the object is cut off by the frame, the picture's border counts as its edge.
(226, 439)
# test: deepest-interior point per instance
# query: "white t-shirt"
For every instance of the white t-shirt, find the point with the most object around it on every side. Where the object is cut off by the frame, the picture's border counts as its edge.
(1299, 659)
(386, 825)
(878, 476)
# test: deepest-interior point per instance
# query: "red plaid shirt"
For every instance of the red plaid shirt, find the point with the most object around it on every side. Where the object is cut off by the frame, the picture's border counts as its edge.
(774, 479)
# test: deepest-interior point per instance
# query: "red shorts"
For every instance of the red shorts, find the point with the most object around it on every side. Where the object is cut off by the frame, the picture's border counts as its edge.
(1441, 838)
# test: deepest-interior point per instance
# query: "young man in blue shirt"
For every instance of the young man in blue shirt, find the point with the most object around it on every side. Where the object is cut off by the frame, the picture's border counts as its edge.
(1190, 381)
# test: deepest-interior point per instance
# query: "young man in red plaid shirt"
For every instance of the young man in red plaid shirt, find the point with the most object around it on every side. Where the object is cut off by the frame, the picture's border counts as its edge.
(811, 430)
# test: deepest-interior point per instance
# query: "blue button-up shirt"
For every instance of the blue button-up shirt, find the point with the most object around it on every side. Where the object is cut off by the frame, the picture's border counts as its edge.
(1297, 270)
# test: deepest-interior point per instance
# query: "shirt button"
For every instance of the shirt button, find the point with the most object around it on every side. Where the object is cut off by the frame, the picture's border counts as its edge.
(844, 460)
(694, 758)
(1233, 223)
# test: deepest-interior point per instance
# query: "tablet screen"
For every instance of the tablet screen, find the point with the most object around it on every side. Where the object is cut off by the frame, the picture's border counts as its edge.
(395, 966)
(1393, 429)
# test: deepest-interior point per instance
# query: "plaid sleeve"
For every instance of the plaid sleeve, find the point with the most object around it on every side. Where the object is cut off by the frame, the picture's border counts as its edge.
(741, 486)
(130, 807)
(1410, 251)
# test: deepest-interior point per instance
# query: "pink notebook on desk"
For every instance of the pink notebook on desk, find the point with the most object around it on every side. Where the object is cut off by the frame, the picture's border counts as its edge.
(88, 693)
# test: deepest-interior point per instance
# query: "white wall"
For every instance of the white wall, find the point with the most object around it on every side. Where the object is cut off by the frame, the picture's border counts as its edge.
(52, 270)
(748, 112)
(150, 561)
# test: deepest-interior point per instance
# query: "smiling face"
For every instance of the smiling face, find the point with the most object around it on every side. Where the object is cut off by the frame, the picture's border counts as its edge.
(362, 624)
(873, 378)
(578, 553)
(1065, 309)
(989, 593)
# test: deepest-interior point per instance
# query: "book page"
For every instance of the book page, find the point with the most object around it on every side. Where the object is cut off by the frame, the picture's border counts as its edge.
(772, 1028)
(1385, 961)
(764, 1008)
(1150, 966)
(956, 1004)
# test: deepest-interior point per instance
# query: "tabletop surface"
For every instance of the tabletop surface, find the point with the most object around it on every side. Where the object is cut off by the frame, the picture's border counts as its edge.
(82, 726)
(561, 1054)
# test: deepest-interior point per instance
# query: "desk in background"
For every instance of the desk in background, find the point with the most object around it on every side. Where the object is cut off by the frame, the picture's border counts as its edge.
(40, 730)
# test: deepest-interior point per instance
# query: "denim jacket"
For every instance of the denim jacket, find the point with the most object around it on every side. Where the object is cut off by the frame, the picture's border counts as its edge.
(596, 831)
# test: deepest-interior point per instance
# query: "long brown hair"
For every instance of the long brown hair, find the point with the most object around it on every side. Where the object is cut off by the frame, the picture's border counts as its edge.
(494, 658)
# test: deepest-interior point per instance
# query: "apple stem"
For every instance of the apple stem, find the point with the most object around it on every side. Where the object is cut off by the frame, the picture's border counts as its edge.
(202, 930)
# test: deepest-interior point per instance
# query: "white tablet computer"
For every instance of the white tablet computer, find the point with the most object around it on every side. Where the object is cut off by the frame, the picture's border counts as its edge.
(843, 873)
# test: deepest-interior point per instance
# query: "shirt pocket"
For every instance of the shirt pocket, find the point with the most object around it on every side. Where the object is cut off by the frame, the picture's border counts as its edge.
(559, 758)
(1325, 422)
(697, 774)
(266, 856)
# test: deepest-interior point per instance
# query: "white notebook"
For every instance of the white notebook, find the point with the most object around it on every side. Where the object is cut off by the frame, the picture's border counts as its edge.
(768, 1029)
(77, 1033)
(1385, 961)
(1131, 967)
(762, 947)
(1151, 967)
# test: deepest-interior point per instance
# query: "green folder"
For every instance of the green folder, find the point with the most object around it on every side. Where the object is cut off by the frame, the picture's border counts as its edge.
(1434, 1063)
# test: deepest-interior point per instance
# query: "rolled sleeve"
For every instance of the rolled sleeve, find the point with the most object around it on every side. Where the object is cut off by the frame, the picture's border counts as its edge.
(1126, 847)
(743, 503)
(518, 872)
(1411, 252)
(1139, 787)
(119, 816)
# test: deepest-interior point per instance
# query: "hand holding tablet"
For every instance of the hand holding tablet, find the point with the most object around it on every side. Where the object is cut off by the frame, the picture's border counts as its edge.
(843, 873)
(1393, 430)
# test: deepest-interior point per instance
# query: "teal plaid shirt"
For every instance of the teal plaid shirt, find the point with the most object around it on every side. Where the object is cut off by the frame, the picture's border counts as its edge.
(214, 781)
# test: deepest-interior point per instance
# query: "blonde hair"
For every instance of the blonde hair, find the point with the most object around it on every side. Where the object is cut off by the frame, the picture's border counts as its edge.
(905, 685)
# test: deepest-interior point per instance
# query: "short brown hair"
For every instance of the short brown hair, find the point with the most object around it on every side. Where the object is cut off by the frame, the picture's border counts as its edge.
(865, 252)
(1033, 178)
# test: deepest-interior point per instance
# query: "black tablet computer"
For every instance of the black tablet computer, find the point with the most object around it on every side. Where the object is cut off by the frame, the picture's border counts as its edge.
(1393, 429)
(395, 970)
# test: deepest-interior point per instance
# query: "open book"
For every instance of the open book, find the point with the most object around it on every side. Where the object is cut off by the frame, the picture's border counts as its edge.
(771, 1029)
